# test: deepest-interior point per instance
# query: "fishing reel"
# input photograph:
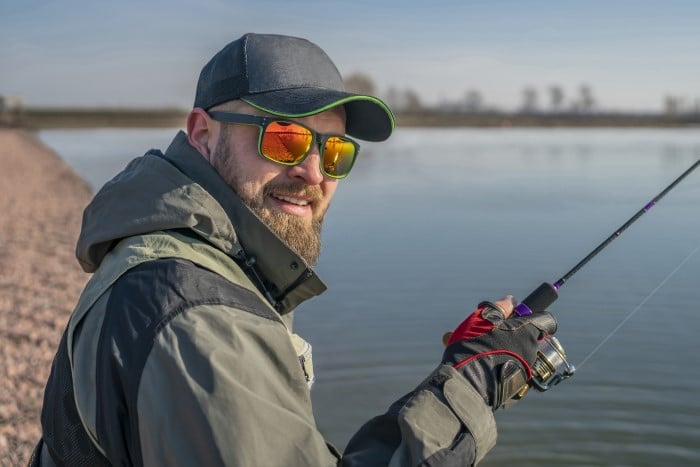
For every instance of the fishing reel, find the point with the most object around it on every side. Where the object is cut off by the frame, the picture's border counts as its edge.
(550, 367)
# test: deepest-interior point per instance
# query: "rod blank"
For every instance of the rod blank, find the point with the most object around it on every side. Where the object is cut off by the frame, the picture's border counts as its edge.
(623, 227)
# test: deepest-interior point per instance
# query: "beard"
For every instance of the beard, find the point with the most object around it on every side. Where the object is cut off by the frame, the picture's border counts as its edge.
(303, 237)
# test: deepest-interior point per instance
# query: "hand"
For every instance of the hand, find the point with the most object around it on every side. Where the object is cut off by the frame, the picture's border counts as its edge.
(494, 352)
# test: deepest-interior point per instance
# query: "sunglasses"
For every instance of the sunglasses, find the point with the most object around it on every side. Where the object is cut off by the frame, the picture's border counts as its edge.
(288, 143)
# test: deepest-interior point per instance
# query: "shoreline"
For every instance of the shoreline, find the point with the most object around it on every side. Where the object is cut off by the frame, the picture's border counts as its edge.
(42, 200)
(71, 118)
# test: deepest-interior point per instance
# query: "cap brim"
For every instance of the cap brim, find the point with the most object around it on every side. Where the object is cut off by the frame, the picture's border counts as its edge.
(367, 117)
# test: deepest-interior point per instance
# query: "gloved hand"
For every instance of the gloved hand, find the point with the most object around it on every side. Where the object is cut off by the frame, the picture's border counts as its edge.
(495, 352)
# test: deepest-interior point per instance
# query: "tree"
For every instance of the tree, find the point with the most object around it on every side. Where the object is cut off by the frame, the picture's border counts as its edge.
(411, 100)
(393, 97)
(529, 99)
(587, 100)
(403, 101)
(473, 101)
(359, 83)
(556, 97)
(672, 105)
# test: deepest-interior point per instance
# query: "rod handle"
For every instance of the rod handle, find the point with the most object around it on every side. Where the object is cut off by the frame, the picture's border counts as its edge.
(537, 301)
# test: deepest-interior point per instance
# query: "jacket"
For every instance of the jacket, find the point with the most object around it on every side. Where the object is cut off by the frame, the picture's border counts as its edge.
(180, 350)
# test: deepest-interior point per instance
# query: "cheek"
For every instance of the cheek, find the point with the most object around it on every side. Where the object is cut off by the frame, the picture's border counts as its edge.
(329, 187)
(254, 172)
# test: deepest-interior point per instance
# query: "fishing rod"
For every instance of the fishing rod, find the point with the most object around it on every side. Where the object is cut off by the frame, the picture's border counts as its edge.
(551, 366)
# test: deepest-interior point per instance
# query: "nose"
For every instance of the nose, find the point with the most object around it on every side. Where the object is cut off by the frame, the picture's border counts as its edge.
(310, 169)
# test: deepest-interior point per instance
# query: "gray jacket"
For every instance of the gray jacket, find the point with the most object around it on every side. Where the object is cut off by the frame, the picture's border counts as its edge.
(181, 351)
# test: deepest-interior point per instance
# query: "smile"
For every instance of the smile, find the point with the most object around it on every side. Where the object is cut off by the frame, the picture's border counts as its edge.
(296, 201)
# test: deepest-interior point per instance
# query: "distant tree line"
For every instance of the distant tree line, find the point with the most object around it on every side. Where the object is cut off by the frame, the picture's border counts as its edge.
(553, 100)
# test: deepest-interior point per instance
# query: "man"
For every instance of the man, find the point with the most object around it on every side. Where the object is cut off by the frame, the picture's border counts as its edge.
(180, 350)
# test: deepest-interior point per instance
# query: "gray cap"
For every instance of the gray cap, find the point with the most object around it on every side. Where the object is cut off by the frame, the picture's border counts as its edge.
(288, 77)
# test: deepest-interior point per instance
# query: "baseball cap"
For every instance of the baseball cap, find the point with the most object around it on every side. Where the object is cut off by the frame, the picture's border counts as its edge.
(288, 77)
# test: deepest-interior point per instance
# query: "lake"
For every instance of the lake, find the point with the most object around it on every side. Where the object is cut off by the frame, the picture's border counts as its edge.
(434, 221)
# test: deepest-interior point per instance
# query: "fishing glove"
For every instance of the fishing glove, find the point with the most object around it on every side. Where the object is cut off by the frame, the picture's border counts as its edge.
(496, 354)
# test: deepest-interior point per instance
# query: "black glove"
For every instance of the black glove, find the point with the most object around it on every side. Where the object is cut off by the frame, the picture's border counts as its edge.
(495, 354)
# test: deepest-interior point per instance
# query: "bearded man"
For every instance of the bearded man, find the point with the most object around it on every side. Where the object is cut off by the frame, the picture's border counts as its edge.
(180, 350)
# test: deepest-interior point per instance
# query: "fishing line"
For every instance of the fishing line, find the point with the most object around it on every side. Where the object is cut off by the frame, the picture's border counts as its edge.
(634, 312)
(551, 366)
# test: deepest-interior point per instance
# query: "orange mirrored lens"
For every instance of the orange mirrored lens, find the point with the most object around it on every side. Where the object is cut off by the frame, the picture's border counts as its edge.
(338, 156)
(286, 142)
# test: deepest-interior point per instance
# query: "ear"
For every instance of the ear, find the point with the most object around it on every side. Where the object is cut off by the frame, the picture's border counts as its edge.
(201, 132)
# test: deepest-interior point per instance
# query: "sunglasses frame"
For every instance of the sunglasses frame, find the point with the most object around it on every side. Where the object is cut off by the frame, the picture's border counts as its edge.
(319, 139)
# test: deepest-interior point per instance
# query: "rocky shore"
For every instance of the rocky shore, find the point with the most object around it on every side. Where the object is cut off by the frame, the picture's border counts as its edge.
(41, 202)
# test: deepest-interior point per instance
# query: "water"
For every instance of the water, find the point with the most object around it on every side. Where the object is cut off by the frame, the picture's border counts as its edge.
(97, 155)
(434, 221)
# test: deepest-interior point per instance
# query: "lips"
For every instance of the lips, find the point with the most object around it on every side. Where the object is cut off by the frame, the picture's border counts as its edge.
(293, 200)
(293, 204)
(296, 199)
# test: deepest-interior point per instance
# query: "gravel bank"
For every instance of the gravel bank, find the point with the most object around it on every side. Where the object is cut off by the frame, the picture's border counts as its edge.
(41, 201)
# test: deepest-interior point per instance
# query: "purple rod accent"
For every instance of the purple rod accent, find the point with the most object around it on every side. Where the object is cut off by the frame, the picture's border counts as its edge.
(649, 206)
(522, 310)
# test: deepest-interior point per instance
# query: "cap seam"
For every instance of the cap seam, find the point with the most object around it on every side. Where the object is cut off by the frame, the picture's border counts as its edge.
(245, 60)
(301, 86)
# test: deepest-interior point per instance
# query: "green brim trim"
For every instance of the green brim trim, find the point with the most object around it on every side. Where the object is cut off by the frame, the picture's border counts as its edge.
(330, 106)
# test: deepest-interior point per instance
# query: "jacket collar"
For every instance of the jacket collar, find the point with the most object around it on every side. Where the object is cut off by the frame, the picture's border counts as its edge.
(284, 276)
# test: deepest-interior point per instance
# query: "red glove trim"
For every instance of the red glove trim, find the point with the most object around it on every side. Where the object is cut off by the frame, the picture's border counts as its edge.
(459, 365)
(474, 326)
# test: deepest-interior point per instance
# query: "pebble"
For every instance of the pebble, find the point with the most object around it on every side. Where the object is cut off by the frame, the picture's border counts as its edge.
(41, 205)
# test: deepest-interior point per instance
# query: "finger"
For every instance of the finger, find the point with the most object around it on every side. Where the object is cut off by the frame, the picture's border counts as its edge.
(545, 322)
(506, 304)
(446, 338)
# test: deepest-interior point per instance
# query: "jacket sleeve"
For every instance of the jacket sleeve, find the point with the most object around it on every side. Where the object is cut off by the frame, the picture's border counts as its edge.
(443, 422)
(224, 387)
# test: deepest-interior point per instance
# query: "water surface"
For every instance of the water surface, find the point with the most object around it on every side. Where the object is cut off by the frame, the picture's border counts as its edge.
(434, 221)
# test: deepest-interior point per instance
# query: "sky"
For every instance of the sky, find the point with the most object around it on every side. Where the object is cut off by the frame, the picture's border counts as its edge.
(149, 53)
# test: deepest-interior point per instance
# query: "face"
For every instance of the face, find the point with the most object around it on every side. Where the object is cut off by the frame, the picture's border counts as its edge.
(292, 201)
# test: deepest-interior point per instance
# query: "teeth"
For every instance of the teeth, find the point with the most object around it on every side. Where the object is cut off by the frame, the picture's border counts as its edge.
(298, 202)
